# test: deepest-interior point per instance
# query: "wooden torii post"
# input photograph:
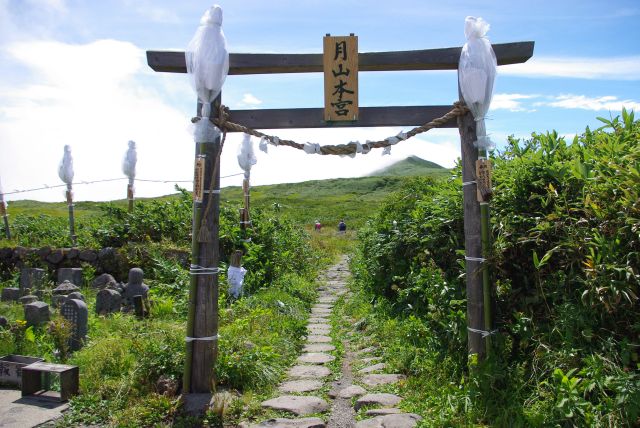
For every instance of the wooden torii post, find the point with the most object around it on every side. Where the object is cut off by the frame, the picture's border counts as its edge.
(427, 59)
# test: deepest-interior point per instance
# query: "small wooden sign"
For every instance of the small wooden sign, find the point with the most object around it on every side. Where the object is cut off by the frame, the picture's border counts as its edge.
(129, 192)
(198, 179)
(340, 62)
(483, 180)
(3, 209)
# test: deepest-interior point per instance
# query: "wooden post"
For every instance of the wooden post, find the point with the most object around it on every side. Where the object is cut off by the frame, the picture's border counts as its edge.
(130, 196)
(203, 300)
(72, 223)
(472, 236)
(5, 216)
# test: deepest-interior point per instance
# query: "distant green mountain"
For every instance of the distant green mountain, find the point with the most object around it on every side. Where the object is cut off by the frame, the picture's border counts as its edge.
(411, 166)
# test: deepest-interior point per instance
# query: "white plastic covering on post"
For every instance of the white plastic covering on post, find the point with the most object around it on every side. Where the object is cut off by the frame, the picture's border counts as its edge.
(235, 279)
(129, 162)
(476, 74)
(207, 61)
(246, 155)
(2, 201)
(65, 170)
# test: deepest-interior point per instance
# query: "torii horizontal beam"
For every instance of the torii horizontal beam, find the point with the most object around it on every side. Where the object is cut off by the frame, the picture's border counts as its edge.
(313, 117)
(425, 59)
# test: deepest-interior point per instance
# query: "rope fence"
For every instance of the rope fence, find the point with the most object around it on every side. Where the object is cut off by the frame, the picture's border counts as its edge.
(45, 187)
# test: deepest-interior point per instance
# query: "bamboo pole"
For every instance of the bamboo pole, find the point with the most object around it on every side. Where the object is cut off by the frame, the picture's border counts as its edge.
(72, 223)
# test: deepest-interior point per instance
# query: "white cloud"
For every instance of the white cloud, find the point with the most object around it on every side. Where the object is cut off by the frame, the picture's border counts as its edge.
(511, 102)
(613, 68)
(152, 12)
(608, 102)
(250, 100)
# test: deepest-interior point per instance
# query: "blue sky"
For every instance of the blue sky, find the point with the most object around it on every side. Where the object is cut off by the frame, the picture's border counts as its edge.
(74, 72)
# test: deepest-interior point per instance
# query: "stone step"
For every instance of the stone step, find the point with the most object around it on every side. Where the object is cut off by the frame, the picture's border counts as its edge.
(309, 372)
(319, 347)
(381, 399)
(315, 358)
(349, 392)
(374, 380)
(373, 368)
(316, 338)
(286, 423)
(382, 412)
(400, 420)
(296, 404)
(302, 385)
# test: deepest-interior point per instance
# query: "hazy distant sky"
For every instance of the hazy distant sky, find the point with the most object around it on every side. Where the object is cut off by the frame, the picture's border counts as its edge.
(74, 72)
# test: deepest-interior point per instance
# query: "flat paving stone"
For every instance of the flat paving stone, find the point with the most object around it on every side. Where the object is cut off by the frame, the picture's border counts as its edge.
(315, 358)
(370, 359)
(367, 350)
(319, 329)
(327, 299)
(317, 320)
(318, 311)
(302, 385)
(373, 368)
(382, 412)
(286, 423)
(309, 372)
(297, 404)
(321, 306)
(349, 392)
(20, 412)
(381, 399)
(401, 420)
(318, 347)
(316, 338)
(373, 380)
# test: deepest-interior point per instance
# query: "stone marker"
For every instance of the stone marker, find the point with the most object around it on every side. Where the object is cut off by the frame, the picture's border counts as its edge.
(296, 404)
(349, 392)
(76, 295)
(104, 281)
(76, 311)
(401, 420)
(286, 423)
(58, 300)
(318, 347)
(302, 385)
(65, 288)
(309, 372)
(135, 286)
(73, 275)
(373, 368)
(33, 279)
(28, 299)
(378, 399)
(10, 294)
(315, 358)
(36, 313)
(373, 380)
(108, 301)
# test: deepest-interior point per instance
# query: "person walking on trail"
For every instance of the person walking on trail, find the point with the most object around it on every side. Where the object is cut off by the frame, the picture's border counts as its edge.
(342, 227)
(318, 226)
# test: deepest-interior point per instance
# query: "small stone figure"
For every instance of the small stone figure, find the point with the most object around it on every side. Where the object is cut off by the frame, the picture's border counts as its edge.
(135, 286)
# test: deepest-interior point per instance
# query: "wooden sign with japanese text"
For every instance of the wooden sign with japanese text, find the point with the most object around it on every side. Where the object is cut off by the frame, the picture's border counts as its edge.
(340, 62)
(198, 179)
(483, 180)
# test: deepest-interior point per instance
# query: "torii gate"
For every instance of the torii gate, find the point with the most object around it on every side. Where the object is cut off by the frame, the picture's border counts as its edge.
(198, 376)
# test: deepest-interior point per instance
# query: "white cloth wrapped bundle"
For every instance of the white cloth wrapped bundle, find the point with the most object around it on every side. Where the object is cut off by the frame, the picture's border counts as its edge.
(65, 170)
(264, 144)
(2, 201)
(207, 61)
(129, 162)
(246, 155)
(476, 74)
(235, 279)
(311, 148)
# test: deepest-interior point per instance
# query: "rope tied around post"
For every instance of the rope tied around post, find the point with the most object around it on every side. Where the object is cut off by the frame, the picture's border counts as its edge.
(223, 121)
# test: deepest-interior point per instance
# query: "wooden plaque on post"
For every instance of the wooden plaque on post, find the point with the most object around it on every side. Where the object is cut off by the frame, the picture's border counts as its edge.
(340, 62)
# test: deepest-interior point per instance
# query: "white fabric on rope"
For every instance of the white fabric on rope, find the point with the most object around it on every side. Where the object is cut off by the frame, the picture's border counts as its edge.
(483, 333)
(475, 259)
(469, 183)
(207, 338)
(200, 270)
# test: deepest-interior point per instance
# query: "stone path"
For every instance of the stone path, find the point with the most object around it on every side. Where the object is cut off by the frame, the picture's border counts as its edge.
(302, 392)
(18, 412)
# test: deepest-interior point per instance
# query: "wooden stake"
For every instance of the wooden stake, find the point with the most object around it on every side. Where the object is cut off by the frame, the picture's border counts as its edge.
(203, 299)
(130, 196)
(472, 238)
(72, 223)
(5, 216)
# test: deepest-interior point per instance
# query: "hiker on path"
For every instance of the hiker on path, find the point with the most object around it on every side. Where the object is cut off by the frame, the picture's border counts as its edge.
(342, 227)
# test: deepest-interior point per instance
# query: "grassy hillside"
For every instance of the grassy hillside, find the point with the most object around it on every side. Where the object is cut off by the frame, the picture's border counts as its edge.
(411, 166)
(328, 201)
